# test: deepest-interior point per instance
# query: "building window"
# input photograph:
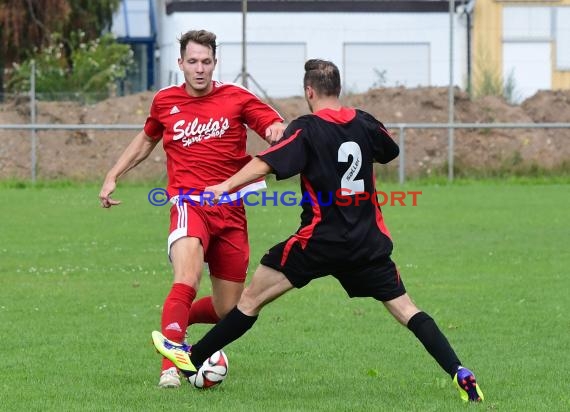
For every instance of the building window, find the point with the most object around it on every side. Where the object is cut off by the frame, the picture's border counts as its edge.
(562, 35)
(527, 23)
(372, 65)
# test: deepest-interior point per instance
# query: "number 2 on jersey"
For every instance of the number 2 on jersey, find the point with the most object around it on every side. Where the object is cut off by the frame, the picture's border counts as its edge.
(348, 181)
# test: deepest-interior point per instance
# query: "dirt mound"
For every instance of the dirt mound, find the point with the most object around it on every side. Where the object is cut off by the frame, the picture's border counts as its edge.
(547, 106)
(485, 151)
(79, 154)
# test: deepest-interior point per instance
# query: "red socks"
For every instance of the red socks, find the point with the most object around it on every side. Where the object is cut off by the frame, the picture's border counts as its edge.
(175, 314)
(202, 311)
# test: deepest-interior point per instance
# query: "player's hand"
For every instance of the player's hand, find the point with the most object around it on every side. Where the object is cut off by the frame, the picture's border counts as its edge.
(108, 188)
(217, 191)
(274, 133)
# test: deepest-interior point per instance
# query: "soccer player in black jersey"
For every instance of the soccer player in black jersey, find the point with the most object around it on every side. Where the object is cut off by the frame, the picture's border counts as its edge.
(333, 149)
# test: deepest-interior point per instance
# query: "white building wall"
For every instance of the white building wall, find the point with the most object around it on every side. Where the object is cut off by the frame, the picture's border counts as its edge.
(327, 36)
(527, 50)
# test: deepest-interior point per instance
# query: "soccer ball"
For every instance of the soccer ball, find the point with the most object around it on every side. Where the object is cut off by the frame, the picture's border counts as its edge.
(212, 372)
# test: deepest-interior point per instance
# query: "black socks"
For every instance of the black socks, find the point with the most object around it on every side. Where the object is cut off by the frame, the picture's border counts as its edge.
(236, 323)
(230, 328)
(435, 342)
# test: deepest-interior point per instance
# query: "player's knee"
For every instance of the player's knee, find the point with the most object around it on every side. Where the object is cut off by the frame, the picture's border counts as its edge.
(223, 308)
(405, 317)
(250, 303)
(189, 278)
(402, 308)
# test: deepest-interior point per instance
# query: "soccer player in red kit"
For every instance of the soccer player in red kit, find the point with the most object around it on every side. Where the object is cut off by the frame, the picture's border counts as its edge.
(202, 125)
(333, 150)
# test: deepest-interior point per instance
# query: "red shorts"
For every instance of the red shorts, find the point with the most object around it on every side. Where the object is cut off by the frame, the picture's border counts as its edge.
(222, 229)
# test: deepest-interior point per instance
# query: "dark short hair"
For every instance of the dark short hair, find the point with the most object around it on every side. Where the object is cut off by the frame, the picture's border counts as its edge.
(203, 37)
(323, 76)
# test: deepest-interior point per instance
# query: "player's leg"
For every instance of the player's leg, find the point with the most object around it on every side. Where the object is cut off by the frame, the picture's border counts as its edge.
(186, 253)
(266, 285)
(187, 260)
(228, 259)
(211, 308)
(381, 280)
(203, 311)
(225, 295)
(426, 330)
(284, 266)
(435, 342)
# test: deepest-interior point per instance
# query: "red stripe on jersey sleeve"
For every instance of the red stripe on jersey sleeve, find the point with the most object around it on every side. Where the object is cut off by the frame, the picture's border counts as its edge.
(281, 143)
(385, 131)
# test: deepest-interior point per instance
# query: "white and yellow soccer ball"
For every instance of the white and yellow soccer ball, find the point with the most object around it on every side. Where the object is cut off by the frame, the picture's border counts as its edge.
(212, 372)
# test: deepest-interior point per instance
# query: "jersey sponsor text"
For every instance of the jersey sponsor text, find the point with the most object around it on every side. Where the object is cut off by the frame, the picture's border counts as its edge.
(195, 131)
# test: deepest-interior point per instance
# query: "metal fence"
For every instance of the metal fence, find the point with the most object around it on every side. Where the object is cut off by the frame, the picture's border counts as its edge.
(450, 126)
(401, 127)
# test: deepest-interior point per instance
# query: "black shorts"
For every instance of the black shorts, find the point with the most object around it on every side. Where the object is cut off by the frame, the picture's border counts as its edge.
(377, 278)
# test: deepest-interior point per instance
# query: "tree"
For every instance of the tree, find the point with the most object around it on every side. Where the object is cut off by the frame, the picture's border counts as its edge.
(27, 26)
(96, 66)
(91, 17)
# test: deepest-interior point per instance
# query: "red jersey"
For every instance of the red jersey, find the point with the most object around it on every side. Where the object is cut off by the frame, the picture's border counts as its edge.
(205, 137)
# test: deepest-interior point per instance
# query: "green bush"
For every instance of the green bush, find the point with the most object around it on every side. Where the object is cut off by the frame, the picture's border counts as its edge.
(490, 81)
(91, 69)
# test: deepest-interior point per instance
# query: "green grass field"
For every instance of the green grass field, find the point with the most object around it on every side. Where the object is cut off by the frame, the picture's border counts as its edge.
(81, 289)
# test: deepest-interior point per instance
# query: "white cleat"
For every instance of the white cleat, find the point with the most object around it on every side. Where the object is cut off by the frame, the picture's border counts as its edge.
(169, 378)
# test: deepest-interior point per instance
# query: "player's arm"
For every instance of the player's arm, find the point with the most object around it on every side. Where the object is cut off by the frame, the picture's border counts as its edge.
(274, 132)
(138, 150)
(261, 117)
(285, 159)
(384, 147)
(254, 170)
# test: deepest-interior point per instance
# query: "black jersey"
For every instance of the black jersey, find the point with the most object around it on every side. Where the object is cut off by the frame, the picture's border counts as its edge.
(334, 152)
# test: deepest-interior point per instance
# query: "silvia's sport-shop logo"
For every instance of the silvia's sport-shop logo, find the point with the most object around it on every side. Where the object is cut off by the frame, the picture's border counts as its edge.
(193, 131)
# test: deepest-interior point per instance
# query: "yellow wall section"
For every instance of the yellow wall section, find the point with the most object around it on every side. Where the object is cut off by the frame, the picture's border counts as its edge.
(560, 80)
(487, 47)
(487, 34)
